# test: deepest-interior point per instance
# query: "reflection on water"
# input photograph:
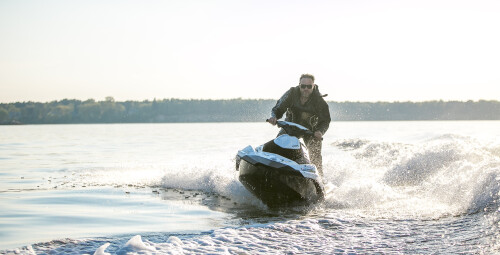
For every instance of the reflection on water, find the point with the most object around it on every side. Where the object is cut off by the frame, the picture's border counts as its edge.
(34, 216)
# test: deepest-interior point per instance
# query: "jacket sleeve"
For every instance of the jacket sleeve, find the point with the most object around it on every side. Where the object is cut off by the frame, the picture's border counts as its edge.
(324, 117)
(281, 106)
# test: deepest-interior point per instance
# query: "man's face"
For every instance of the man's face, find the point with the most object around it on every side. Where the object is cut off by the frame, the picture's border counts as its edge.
(306, 92)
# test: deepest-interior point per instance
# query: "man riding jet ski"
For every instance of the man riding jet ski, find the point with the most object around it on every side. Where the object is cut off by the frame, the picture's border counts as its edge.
(280, 172)
(305, 105)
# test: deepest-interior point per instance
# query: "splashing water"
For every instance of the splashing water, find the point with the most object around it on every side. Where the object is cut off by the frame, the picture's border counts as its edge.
(445, 175)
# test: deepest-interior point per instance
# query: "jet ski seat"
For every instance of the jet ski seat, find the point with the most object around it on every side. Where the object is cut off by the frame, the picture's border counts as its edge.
(293, 154)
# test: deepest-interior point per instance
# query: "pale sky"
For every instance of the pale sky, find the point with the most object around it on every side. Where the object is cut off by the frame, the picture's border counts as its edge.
(359, 50)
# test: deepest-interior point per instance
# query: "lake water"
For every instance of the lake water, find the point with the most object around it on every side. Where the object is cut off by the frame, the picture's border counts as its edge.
(392, 187)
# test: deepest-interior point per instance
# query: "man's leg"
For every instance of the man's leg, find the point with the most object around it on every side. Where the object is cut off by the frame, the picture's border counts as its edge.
(314, 146)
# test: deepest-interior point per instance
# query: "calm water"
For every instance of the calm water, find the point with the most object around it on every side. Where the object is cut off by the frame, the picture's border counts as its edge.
(392, 187)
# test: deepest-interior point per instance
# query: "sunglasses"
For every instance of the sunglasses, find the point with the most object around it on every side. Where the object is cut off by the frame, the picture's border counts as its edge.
(303, 86)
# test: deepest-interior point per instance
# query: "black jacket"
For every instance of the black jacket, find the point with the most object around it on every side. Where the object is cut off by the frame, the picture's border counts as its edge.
(314, 114)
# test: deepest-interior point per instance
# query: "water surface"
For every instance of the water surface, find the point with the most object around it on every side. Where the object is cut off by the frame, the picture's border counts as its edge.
(392, 187)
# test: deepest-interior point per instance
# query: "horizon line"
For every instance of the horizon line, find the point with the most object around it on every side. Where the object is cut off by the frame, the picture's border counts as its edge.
(240, 98)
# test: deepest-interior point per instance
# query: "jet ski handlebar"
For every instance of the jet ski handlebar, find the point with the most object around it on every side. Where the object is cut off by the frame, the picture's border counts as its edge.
(294, 129)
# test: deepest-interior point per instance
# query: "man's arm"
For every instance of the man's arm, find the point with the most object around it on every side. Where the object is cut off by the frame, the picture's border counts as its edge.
(323, 118)
(280, 108)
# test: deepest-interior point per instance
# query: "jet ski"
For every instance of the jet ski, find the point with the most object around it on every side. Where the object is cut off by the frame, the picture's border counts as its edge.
(280, 172)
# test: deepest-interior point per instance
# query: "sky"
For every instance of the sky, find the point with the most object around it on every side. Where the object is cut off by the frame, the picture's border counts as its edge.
(358, 50)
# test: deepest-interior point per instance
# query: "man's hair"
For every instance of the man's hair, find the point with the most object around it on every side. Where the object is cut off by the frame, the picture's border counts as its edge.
(307, 75)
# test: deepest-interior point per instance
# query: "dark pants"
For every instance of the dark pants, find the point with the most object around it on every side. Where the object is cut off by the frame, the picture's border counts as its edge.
(314, 147)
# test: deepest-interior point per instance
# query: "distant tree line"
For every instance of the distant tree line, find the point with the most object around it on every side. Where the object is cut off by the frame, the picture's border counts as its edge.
(430, 110)
(233, 110)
